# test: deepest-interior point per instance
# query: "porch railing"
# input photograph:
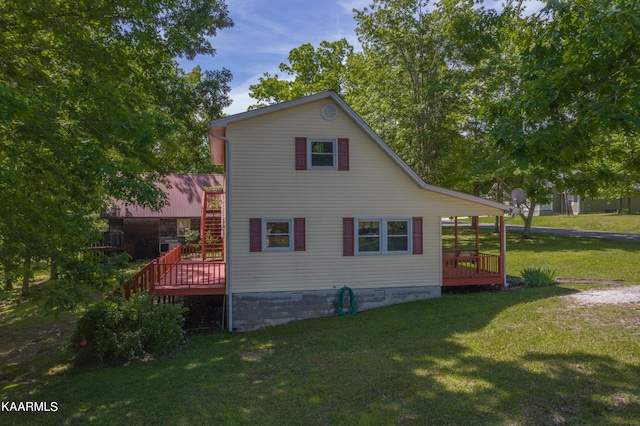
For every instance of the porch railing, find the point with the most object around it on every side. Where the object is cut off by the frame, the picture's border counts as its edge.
(110, 239)
(466, 268)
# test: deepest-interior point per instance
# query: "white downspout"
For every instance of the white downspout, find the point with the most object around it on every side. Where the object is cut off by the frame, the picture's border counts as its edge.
(227, 213)
(227, 165)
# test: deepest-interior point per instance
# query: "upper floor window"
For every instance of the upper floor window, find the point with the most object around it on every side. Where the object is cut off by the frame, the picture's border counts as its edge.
(318, 153)
(322, 153)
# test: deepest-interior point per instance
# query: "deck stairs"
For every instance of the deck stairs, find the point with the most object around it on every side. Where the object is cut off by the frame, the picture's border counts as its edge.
(212, 226)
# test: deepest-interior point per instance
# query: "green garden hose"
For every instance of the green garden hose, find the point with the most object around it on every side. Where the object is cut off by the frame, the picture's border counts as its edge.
(340, 299)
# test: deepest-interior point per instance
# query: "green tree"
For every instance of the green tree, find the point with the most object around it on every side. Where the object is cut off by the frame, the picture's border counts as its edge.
(572, 77)
(313, 70)
(611, 171)
(417, 76)
(194, 99)
(578, 80)
(87, 99)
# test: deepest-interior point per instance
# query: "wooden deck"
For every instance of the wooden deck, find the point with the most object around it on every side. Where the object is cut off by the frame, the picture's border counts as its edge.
(190, 277)
(180, 272)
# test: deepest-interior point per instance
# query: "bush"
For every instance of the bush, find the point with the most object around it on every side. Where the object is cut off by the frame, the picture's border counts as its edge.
(191, 236)
(538, 276)
(119, 330)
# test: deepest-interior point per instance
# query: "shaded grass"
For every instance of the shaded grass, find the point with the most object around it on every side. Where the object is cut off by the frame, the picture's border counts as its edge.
(517, 357)
(34, 341)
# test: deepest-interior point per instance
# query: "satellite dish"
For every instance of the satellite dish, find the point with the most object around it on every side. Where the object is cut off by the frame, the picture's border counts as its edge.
(518, 196)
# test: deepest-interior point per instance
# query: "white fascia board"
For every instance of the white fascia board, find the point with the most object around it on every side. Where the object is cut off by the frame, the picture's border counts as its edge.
(224, 121)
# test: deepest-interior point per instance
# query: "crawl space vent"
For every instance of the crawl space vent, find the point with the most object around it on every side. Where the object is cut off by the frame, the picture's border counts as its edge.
(329, 112)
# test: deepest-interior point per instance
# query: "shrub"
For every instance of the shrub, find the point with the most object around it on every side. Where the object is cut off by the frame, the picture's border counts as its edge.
(191, 236)
(121, 330)
(539, 276)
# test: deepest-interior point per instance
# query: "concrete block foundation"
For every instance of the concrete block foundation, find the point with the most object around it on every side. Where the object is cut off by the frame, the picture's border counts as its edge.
(254, 311)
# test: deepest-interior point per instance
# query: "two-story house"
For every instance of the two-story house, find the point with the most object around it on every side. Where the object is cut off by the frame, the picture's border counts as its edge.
(316, 201)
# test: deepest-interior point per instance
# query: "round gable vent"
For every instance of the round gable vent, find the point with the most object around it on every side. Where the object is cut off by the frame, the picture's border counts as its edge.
(329, 111)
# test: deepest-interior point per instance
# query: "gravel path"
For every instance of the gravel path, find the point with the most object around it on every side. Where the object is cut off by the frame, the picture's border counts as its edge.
(607, 297)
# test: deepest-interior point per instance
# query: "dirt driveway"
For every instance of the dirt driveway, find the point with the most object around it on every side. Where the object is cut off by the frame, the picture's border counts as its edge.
(612, 296)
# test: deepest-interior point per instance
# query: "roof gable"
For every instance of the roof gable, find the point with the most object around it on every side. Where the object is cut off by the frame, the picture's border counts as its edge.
(331, 95)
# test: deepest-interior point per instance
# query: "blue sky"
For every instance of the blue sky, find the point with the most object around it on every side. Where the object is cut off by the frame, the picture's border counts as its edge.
(265, 31)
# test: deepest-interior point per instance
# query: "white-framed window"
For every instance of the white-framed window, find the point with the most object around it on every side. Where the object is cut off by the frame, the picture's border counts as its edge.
(277, 234)
(322, 153)
(383, 236)
(369, 236)
(182, 225)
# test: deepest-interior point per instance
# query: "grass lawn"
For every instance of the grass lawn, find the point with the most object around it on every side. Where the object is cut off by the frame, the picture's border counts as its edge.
(519, 357)
(570, 257)
(607, 222)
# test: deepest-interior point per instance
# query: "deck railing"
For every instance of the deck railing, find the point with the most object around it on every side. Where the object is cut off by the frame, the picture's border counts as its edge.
(192, 251)
(142, 281)
(190, 273)
(470, 268)
(169, 271)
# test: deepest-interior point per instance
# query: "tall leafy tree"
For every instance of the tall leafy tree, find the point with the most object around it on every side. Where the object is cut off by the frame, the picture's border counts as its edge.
(417, 75)
(87, 98)
(578, 79)
(310, 70)
(576, 67)
(194, 99)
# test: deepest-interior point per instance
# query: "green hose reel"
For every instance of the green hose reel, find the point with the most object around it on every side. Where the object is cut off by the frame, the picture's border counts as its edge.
(340, 302)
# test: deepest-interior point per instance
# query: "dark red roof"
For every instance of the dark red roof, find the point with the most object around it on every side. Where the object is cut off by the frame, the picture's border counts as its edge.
(184, 193)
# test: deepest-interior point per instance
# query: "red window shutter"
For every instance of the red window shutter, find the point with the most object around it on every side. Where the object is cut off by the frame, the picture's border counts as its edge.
(343, 154)
(417, 235)
(299, 232)
(255, 234)
(301, 153)
(348, 235)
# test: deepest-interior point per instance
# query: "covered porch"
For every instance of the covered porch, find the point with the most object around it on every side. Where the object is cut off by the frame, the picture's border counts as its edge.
(463, 262)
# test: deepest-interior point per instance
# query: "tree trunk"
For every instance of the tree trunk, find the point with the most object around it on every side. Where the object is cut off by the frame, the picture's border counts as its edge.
(54, 271)
(627, 182)
(500, 199)
(8, 284)
(476, 192)
(528, 218)
(8, 275)
(26, 277)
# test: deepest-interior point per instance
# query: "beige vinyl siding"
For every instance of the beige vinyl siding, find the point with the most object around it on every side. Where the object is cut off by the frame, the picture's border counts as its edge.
(265, 184)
